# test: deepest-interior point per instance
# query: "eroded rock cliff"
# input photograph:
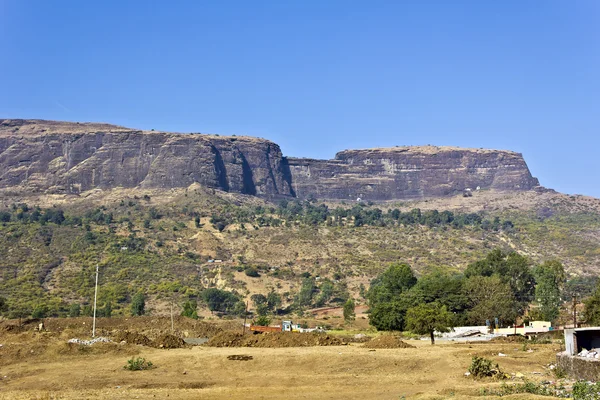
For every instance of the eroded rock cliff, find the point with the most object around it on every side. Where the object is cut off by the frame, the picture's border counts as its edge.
(57, 157)
(409, 173)
(67, 157)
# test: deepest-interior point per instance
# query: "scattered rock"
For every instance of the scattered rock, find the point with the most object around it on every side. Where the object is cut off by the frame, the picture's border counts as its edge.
(99, 339)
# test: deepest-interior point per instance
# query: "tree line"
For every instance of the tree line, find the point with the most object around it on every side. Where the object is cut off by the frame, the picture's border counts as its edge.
(503, 286)
(361, 214)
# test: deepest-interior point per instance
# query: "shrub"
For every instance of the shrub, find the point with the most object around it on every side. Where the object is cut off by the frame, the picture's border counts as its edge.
(138, 364)
(189, 309)
(482, 367)
(540, 389)
(74, 310)
(263, 320)
(586, 391)
(252, 272)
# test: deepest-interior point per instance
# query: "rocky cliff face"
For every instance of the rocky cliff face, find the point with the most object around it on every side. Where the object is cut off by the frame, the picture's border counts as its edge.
(65, 157)
(59, 157)
(408, 173)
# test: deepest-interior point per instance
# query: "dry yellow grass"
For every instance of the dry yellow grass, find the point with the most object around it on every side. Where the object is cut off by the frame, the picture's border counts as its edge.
(341, 372)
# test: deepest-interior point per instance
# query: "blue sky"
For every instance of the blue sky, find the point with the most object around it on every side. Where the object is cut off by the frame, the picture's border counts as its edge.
(318, 77)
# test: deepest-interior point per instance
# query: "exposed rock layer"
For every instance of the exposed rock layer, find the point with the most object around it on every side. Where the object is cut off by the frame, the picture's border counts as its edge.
(39, 155)
(409, 172)
(71, 157)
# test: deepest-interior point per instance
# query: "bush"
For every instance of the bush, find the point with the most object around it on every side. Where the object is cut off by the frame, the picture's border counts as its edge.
(138, 364)
(482, 367)
(263, 320)
(74, 310)
(189, 309)
(138, 304)
(252, 272)
(540, 389)
(586, 391)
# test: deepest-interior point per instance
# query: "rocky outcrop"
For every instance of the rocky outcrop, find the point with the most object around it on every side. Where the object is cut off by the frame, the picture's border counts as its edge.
(61, 157)
(66, 157)
(409, 173)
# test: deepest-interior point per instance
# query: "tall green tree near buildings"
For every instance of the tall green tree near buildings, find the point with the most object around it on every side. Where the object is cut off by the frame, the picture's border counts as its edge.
(425, 319)
(550, 279)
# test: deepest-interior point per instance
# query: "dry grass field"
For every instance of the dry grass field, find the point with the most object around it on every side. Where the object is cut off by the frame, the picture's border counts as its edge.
(43, 366)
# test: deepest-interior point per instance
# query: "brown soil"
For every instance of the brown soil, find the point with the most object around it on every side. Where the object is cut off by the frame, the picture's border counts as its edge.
(150, 326)
(387, 342)
(132, 338)
(330, 372)
(274, 340)
(509, 339)
(226, 339)
(168, 341)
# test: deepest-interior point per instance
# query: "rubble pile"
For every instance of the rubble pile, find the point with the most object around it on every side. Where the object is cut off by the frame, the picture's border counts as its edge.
(82, 342)
(593, 353)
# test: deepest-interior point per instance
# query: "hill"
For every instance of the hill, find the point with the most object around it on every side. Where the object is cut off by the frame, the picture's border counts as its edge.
(168, 243)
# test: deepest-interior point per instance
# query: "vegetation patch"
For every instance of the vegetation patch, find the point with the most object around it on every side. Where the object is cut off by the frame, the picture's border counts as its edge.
(138, 364)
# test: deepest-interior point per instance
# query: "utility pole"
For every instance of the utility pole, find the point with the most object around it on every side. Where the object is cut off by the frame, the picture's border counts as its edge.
(95, 298)
(574, 311)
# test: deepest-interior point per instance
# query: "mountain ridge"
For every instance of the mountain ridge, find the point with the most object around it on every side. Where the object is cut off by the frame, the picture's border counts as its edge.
(71, 157)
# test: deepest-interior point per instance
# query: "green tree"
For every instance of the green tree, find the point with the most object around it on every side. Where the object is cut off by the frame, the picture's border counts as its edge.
(591, 312)
(307, 290)
(260, 303)
(511, 268)
(74, 310)
(550, 279)
(391, 283)
(3, 305)
(262, 320)
(39, 311)
(428, 318)
(349, 314)
(444, 288)
(220, 300)
(490, 298)
(107, 310)
(190, 309)
(388, 316)
(138, 304)
(326, 291)
(273, 301)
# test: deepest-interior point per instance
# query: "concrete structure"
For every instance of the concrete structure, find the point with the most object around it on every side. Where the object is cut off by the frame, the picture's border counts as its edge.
(581, 358)
(533, 328)
(577, 340)
(466, 331)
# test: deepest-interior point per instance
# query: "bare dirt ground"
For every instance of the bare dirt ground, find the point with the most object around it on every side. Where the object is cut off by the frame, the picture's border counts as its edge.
(42, 366)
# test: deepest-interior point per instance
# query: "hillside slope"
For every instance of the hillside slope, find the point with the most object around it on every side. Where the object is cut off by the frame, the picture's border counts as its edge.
(161, 241)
